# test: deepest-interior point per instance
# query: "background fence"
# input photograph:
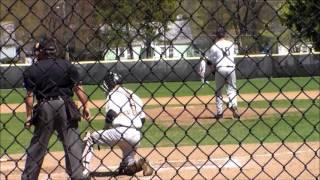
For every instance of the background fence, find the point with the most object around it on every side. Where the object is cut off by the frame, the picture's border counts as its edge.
(157, 47)
(175, 70)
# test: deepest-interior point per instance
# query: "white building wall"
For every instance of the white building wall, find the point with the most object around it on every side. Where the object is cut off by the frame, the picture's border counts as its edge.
(8, 52)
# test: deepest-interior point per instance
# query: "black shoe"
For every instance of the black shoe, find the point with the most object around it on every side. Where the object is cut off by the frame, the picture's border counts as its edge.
(235, 113)
(87, 177)
(218, 116)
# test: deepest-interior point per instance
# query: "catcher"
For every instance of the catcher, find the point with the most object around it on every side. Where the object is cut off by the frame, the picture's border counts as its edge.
(123, 123)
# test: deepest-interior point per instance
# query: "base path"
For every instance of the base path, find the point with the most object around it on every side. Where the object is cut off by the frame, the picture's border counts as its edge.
(185, 100)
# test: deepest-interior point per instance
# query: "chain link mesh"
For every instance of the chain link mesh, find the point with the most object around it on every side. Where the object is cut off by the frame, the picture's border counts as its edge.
(157, 47)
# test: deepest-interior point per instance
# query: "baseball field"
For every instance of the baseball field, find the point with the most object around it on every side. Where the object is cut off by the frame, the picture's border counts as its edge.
(276, 137)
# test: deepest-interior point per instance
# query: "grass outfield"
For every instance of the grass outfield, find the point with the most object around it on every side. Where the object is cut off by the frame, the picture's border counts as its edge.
(190, 88)
(288, 127)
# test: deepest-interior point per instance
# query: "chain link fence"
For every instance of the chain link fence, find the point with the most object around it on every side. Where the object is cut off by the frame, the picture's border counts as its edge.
(157, 47)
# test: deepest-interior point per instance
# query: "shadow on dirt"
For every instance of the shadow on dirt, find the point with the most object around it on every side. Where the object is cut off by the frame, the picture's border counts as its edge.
(104, 174)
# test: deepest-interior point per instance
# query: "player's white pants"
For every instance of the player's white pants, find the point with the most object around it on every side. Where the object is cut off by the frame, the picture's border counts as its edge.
(226, 76)
(202, 76)
(126, 138)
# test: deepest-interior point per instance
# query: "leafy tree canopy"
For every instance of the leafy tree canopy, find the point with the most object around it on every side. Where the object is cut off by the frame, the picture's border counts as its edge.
(138, 15)
(303, 16)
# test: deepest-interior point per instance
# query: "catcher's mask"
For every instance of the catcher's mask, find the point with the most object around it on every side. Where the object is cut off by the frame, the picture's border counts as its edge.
(45, 47)
(111, 80)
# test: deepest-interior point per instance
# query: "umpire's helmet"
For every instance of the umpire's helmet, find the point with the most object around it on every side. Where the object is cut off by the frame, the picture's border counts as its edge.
(45, 46)
(111, 80)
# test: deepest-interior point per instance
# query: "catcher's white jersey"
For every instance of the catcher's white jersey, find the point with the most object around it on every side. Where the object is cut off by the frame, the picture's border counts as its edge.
(125, 131)
(127, 105)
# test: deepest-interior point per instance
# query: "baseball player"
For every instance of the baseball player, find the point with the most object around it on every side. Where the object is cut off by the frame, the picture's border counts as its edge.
(123, 123)
(202, 71)
(221, 59)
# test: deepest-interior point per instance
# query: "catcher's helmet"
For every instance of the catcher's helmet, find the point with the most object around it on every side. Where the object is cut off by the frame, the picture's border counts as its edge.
(45, 46)
(111, 80)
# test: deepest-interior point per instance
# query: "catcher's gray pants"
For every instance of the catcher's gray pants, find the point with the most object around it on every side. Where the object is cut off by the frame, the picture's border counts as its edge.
(226, 76)
(52, 116)
(126, 138)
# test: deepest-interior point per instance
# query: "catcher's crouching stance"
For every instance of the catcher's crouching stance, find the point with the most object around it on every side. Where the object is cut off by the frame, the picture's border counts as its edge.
(124, 119)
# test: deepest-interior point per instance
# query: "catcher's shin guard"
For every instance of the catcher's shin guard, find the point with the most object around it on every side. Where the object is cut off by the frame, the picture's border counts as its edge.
(87, 153)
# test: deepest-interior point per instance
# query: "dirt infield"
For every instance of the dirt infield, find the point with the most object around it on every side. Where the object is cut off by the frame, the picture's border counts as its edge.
(238, 161)
(248, 161)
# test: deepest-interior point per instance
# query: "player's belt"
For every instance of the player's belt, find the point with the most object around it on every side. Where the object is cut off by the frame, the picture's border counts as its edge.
(50, 98)
(116, 126)
(226, 66)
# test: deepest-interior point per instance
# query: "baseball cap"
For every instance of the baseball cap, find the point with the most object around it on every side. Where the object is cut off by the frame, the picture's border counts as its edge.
(221, 32)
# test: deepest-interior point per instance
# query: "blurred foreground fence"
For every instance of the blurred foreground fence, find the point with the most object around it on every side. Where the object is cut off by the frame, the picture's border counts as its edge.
(277, 136)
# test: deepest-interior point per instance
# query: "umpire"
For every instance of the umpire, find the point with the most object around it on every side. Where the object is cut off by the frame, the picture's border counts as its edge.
(52, 80)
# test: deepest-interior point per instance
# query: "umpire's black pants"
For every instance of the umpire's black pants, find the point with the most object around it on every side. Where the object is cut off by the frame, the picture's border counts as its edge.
(52, 116)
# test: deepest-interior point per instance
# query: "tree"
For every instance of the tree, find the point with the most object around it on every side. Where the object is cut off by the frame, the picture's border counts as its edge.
(241, 18)
(303, 17)
(127, 20)
(246, 19)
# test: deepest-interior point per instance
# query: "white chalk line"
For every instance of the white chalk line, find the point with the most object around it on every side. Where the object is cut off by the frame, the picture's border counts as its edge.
(232, 162)
(215, 163)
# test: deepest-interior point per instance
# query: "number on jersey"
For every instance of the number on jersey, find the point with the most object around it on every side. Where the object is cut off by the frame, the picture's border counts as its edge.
(226, 51)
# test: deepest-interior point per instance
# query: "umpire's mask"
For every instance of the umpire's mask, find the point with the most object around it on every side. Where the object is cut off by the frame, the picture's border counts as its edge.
(45, 47)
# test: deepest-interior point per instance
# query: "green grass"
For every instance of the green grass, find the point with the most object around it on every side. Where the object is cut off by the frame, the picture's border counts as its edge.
(190, 88)
(193, 87)
(15, 138)
(289, 127)
(299, 104)
(294, 126)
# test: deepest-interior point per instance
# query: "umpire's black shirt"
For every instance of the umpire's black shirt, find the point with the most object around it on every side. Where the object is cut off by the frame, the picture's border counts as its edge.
(51, 78)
